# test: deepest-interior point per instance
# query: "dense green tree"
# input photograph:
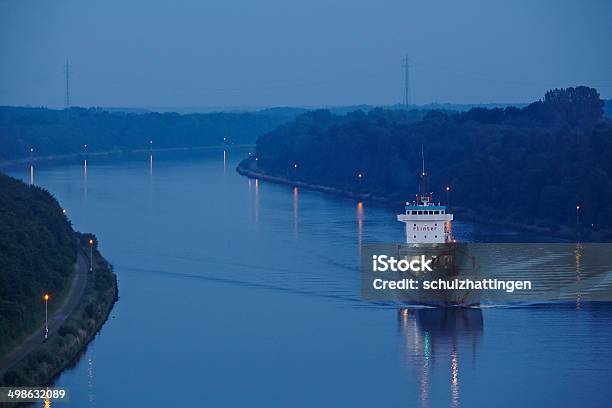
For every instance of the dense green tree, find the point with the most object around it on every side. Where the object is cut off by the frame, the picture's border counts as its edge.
(526, 165)
(37, 255)
(53, 132)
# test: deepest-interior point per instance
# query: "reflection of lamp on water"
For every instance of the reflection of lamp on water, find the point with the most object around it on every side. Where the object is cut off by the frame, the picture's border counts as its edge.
(150, 158)
(224, 161)
(85, 171)
(90, 378)
(256, 201)
(428, 333)
(455, 379)
(578, 257)
(295, 210)
(359, 224)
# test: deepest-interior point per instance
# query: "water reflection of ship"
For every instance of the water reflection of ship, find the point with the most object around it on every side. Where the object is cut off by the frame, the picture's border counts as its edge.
(436, 336)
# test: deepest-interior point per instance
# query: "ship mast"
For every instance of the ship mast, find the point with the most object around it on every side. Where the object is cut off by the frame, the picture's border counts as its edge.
(423, 193)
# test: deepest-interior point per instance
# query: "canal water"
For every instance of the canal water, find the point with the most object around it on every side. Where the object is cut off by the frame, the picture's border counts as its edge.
(238, 292)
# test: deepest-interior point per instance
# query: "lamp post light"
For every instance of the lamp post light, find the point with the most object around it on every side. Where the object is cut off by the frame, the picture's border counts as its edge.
(448, 195)
(91, 242)
(46, 298)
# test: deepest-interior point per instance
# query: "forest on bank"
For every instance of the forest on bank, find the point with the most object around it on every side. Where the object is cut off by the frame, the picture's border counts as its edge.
(38, 250)
(532, 165)
(56, 132)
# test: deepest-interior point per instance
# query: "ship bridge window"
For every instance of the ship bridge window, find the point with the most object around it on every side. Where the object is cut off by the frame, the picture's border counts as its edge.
(436, 212)
(414, 212)
(420, 212)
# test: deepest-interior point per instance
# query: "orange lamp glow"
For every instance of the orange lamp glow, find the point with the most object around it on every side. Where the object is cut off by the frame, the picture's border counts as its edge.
(46, 296)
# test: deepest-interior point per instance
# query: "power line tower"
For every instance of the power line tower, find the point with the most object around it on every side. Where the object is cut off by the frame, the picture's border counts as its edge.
(67, 72)
(407, 97)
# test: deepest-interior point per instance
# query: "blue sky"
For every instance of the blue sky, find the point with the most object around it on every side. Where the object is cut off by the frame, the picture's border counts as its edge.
(299, 53)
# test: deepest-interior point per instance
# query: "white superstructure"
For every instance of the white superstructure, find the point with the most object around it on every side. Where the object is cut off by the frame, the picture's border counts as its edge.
(427, 223)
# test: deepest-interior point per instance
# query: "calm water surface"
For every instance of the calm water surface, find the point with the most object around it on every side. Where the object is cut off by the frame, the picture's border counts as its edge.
(236, 292)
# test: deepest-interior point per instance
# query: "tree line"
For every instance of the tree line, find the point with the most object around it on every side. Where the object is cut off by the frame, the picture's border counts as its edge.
(37, 255)
(547, 164)
(55, 132)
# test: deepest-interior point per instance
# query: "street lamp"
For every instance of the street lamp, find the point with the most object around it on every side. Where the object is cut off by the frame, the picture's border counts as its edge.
(91, 242)
(448, 195)
(46, 298)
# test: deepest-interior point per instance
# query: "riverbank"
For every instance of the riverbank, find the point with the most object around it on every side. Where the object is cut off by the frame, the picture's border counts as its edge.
(248, 168)
(57, 159)
(45, 360)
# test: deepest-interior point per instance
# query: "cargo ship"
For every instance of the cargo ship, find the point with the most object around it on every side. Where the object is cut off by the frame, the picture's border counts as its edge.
(428, 227)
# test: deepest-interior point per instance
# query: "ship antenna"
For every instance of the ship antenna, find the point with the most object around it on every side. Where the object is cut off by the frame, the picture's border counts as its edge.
(423, 185)
(423, 158)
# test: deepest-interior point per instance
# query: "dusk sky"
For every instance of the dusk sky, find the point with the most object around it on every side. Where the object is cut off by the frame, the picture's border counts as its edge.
(233, 53)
